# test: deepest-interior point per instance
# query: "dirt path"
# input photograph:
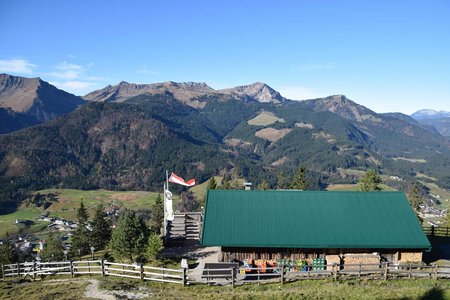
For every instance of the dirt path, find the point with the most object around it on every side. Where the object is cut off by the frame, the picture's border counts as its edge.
(93, 291)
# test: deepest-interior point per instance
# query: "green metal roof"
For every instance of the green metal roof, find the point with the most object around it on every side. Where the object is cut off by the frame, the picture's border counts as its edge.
(311, 219)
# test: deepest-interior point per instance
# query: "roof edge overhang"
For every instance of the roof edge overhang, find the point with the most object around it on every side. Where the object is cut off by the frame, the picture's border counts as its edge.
(412, 247)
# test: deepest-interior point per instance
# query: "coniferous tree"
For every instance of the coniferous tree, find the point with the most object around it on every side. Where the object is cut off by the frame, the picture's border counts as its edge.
(101, 229)
(370, 181)
(264, 185)
(155, 247)
(225, 183)
(188, 202)
(415, 197)
(130, 237)
(53, 250)
(212, 184)
(8, 253)
(282, 181)
(81, 238)
(299, 182)
(157, 218)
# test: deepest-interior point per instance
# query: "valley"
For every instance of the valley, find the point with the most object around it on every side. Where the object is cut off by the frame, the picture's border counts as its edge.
(124, 137)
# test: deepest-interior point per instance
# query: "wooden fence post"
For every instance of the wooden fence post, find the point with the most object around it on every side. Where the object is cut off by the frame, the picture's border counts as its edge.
(34, 270)
(359, 271)
(233, 277)
(335, 271)
(435, 271)
(18, 270)
(409, 273)
(103, 267)
(432, 230)
(282, 274)
(386, 267)
(71, 269)
(184, 277)
(142, 271)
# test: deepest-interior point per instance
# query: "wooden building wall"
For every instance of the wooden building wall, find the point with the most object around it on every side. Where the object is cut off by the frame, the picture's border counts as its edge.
(244, 253)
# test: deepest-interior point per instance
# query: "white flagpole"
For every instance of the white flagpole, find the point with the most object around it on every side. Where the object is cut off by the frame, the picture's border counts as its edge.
(166, 187)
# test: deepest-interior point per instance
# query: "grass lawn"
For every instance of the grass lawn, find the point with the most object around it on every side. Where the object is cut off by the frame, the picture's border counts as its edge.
(50, 289)
(8, 221)
(199, 190)
(68, 203)
(307, 289)
(354, 187)
(264, 119)
(69, 200)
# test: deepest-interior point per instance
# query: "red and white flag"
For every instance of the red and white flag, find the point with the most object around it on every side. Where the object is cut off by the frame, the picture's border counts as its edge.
(177, 179)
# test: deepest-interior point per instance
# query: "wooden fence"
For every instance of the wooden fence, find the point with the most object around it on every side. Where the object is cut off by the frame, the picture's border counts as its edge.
(437, 231)
(237, 276)
(93, 267)
(225, 276)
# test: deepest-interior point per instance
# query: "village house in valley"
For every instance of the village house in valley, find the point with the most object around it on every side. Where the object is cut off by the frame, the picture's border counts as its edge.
(337, 227)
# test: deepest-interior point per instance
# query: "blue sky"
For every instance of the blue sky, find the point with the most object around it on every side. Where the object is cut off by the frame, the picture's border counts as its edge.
(386, 55)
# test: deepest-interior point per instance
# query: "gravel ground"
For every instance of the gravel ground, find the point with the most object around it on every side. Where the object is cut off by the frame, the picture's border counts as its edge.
(93, 291)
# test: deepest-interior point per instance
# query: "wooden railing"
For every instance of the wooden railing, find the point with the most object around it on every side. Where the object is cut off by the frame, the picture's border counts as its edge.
(231, 276)
(385, 271)
(93, 267)
(437, 231)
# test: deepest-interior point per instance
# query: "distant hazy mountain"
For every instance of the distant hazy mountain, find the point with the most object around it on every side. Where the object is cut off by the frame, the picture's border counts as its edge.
(33, 98)
(440, 120)
(430, 114)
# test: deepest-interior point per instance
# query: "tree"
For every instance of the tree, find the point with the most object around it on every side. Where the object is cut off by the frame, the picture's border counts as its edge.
(155, 247)
(370, 181)
(101, 229)
(53, 250)
(212, 184)
(299, 181)
(225, 183)
(188, 202)
(82, 213)
(282, 181)
(80, 243)
(264, 185)
(157, 218)
(8, 253)
(415, 197)
(129, 238)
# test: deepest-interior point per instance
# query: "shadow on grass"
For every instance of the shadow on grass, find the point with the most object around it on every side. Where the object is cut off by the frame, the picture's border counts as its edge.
(433, 294)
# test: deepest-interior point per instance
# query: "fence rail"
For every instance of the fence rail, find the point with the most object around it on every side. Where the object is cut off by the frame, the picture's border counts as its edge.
(437, 231)
(224, 276)
(93, 267)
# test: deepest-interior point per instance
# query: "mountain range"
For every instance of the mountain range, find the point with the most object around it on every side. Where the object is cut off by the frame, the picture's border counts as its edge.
(125, 136)
(440, 120)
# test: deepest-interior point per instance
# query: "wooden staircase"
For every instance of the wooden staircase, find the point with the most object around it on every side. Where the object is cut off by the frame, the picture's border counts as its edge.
(185, 226)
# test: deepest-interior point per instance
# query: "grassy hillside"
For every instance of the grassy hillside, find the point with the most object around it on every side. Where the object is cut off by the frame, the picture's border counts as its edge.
(69, 200)
(8, 221)
(354, 187)
(67, 205)
(199, 190)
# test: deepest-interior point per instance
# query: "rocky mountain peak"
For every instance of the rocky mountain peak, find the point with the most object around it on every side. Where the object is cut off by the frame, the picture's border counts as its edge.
(35, 97)
(344, 107)
(258, 91)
